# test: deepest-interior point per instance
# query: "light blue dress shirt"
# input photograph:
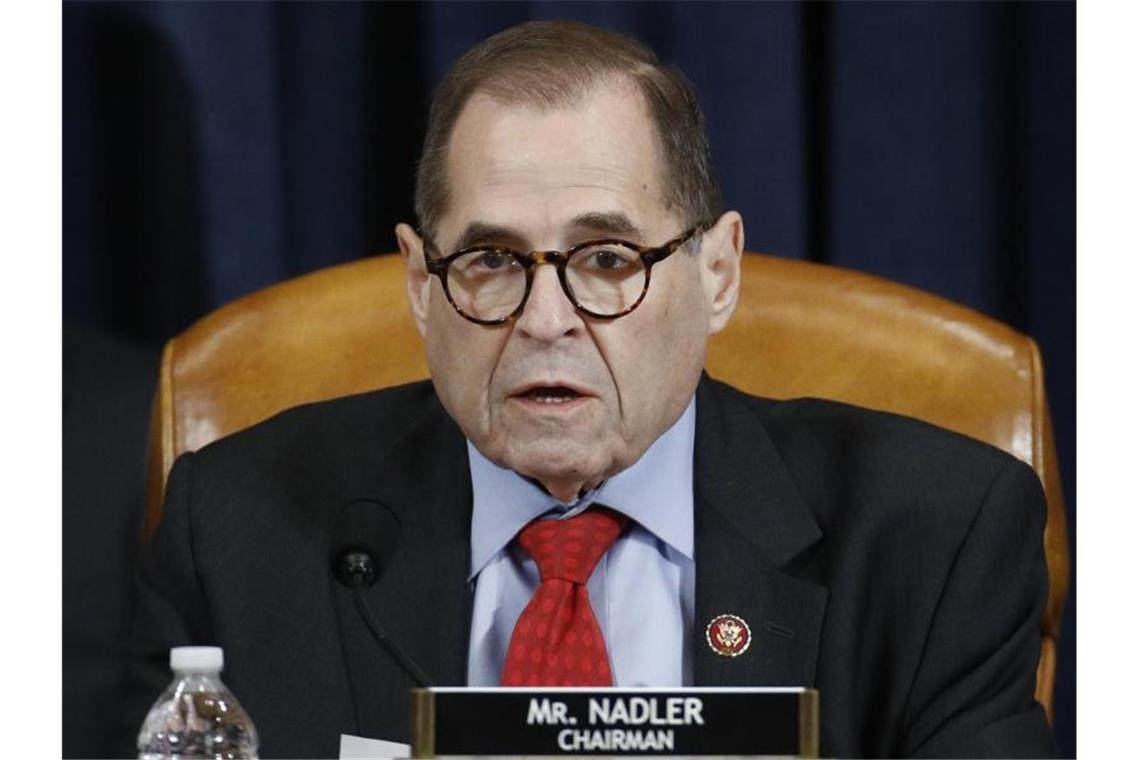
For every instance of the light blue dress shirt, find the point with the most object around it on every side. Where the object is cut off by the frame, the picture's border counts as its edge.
(642, 591)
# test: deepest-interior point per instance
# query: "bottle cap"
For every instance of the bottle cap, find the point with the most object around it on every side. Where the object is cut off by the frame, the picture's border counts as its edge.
(196, 658)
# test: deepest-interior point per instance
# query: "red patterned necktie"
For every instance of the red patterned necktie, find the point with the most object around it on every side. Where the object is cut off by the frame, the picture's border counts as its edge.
(557, 641)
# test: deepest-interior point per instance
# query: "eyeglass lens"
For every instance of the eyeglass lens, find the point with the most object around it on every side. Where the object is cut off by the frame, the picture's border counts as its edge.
(604, 279)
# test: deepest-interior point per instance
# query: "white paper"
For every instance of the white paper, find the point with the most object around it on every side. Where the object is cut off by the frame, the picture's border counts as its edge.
(359, 748)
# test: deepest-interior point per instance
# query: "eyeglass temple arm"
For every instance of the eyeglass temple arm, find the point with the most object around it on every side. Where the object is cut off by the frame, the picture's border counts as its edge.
(655, 255)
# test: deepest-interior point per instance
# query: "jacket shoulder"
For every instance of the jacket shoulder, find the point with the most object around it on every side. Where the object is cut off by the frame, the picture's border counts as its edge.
(862, 461)
(837, 429)
(346, 443)
(376, 415)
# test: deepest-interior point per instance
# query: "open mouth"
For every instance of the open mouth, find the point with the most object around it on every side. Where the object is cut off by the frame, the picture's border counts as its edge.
(550, 394)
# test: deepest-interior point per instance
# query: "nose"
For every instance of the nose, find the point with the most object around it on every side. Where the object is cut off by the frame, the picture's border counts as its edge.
(548, 314)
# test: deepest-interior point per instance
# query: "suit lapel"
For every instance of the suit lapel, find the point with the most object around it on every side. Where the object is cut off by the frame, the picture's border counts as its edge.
(422, 599)
(750, 522)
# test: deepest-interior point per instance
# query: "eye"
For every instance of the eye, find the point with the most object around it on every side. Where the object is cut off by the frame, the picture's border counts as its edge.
(493, 260)
(484, 263)
(610, 259)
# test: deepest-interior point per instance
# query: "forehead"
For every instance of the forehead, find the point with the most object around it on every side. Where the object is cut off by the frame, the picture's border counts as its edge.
(535, 169)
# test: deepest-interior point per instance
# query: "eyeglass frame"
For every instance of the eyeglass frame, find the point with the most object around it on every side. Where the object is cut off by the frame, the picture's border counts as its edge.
(650, 255)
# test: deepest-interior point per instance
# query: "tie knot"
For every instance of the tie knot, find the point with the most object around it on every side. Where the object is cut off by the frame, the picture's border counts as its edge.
(570, 548)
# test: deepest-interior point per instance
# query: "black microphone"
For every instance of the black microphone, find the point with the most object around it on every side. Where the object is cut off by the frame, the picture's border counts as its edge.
(366, 538)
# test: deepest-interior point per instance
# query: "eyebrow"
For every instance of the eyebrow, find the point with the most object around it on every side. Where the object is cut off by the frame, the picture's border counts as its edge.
(482, 233)
(608, 223)
(594, 222)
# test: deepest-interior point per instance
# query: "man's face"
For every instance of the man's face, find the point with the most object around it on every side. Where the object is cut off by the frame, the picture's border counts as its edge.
(554, 395)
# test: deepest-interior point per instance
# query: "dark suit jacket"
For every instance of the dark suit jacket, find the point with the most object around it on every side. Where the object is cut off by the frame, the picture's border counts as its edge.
(895, 566)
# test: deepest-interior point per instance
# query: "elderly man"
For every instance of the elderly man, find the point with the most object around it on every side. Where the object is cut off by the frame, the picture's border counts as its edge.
(576, 503)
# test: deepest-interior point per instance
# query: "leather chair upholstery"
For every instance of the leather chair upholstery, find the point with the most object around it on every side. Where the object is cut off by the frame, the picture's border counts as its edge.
(800, 329)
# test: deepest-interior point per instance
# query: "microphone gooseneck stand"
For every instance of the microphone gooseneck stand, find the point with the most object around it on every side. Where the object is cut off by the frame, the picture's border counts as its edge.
(410, 668)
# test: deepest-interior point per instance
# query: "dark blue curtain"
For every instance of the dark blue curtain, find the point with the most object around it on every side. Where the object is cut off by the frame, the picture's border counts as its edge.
(212, 149)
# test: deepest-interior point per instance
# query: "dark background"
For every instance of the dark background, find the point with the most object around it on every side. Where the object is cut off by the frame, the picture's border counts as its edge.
(212, 149)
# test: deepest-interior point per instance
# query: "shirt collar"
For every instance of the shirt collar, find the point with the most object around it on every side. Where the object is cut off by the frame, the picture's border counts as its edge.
(656, 491)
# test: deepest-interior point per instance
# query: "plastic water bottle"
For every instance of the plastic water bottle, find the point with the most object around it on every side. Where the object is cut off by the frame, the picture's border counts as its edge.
(197, 716)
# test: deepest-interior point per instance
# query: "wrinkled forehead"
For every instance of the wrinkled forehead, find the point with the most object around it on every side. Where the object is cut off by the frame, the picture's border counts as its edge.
(540, 165)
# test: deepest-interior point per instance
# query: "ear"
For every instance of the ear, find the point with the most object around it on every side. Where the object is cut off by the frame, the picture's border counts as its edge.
(416, 277)
(721, 248)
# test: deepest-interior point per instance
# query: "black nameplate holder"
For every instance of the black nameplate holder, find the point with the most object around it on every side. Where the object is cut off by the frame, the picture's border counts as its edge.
(588, 721)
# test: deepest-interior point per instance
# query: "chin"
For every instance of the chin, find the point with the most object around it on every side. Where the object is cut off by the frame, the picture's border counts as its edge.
(555, 459)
